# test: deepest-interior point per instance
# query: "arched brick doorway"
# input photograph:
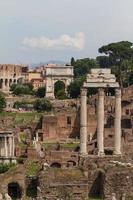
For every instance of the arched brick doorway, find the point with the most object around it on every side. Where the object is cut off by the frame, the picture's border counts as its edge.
(14, 190)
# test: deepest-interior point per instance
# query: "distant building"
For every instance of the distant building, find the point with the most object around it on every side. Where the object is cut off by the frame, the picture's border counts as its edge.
(11, 74)
(37, 83)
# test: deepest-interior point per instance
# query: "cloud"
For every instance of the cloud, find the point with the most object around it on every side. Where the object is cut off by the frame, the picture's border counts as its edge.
(64, 41)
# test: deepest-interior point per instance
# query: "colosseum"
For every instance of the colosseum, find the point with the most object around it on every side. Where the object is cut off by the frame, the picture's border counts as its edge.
(9, 74)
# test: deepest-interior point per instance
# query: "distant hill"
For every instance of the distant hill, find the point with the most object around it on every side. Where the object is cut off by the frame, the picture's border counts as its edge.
(33, 65)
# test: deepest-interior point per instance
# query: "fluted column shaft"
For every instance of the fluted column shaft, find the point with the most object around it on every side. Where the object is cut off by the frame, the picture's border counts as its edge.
(117, 124)
(100, 122)
(6, 147)
(83, 122)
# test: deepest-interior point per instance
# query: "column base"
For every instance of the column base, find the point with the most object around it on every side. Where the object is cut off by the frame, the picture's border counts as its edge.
(117, 154)
(101, 154)
(83, 154)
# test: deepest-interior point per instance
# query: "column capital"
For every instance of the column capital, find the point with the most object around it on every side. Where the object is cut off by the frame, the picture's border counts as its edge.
(118, 92)
(83, 91)
(100, 92)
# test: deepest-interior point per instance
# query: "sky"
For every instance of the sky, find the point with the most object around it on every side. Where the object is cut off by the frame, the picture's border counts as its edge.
(33, 31)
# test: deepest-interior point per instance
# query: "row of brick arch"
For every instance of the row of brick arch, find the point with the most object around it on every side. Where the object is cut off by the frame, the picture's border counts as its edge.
(8, 82)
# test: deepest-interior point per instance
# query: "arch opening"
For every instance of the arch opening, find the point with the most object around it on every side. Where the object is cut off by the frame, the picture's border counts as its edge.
(1, 83)
(6, 82)
(31, 190)
(14, 190)
(55, 165)
(96, 190)
(59, 89)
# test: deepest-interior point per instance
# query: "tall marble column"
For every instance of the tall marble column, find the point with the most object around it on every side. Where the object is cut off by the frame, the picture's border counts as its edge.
(6, 147)
(83, 122)
(10, 146)
(117, 124)
(100, 122)
(13, 147)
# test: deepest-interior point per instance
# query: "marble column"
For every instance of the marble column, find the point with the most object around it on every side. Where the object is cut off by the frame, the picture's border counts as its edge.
(83, 122)
(6, 147)
(13, 147)
(10, 146)
(117, 123)
(100, 122)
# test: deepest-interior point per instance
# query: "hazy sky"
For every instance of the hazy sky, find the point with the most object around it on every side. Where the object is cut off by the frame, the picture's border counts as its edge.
(32, 31)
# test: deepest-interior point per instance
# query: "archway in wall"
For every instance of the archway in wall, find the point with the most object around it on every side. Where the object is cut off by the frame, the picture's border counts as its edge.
(1, 83)
(6, 82)
(14, 190)
(96, 190)
(10, 82)
(59, 89)
(31, 190)
(55, 165)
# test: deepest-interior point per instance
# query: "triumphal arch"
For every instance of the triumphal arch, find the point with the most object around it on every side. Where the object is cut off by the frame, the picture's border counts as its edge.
(56, 73)
(100, 79)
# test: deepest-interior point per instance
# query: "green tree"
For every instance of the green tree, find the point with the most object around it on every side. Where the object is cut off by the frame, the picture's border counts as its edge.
(42, 105)
(22, 89)
(74, 88)
(118, 52)
(40, 92)
(59, 90)
(72, 61)
(83, 66)
(2, 102)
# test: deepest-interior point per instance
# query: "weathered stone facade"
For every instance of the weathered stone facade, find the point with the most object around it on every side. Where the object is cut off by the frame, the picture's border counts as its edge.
(10, 74)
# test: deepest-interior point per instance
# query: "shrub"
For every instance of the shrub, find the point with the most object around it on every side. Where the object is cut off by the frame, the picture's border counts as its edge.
(33, 169)
(42, 105)
(5, 167)
(40, 92)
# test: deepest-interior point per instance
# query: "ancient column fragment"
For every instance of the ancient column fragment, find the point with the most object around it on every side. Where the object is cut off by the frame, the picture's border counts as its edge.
(100, 122)
(13, 147)
(83, 122)
(6, 147)
(10, 146)
(117, 125)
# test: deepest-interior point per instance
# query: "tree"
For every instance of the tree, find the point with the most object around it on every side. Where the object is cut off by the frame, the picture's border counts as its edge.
(118, 52)
(72, 61)
(74, 88)
(40, 92)
(59, 90)
(2, 102)
(61, 94)
(83, 66)
(42, 105)
(22, 89)
(104, 61)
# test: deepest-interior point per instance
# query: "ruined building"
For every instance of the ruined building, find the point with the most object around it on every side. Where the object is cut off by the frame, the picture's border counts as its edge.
(83, 149)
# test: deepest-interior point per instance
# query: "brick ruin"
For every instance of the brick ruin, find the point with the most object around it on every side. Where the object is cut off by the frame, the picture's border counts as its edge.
(68, 173)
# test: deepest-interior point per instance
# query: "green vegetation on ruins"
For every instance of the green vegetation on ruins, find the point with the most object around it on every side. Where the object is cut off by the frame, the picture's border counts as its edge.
(4, 167)
(32, 169)
(19, 118)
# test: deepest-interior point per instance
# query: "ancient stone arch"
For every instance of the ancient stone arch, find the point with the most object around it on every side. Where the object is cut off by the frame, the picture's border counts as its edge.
(56, 73)
(14, 190)
(55, 165)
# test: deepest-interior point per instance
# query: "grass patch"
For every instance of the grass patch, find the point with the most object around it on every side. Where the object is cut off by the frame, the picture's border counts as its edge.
(49, 145)
(32, 169)
(96, 198)
(70, 145)
(21, 118)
